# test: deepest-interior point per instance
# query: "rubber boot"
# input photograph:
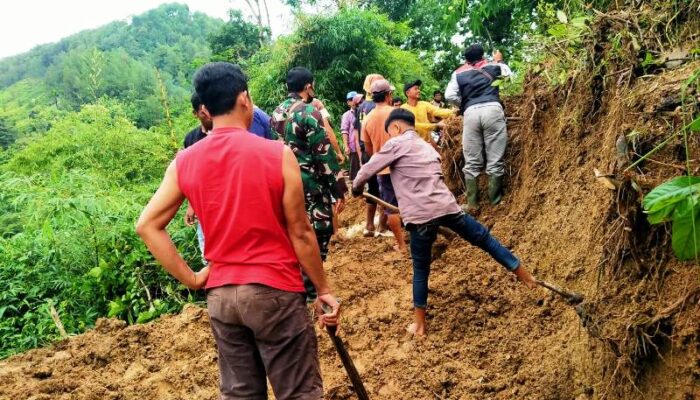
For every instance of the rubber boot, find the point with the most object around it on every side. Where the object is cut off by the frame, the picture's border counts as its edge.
(472, 196)
(495, 189)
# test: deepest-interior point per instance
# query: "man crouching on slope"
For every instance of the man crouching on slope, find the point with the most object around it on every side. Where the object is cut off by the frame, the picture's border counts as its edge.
(248, 195)
(426, 204)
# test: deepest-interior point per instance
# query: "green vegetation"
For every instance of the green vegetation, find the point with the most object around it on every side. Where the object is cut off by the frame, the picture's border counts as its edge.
(678, 200)
(68, 202)
(84, 141)
(116, 61)
(236, 41)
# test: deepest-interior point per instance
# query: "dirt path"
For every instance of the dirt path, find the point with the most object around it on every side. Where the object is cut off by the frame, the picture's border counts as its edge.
(490, 339)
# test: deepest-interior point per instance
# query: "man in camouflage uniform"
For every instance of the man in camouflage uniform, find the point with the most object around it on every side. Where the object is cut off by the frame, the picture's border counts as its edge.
(300, 124)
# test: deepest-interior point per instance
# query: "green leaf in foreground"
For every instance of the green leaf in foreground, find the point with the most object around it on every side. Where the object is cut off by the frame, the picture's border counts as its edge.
(677, 200)
(685, 238)
(664, 197)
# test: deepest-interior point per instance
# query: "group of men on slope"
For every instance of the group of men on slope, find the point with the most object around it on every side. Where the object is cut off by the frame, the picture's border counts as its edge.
(265, 209)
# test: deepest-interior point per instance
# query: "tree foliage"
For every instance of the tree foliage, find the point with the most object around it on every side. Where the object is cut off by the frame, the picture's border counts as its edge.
(7, 135)
(340, 50)
(68, 202)
(168, 37)
(236, 40)
(117, 61)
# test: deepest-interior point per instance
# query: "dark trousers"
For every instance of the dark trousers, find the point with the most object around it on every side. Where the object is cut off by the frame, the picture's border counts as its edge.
(264, 332)
(354, 165)
(423, 236)
(387, 193)
(372, 183)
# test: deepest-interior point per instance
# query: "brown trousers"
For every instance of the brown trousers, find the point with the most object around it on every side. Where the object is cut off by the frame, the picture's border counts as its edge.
(261, 331)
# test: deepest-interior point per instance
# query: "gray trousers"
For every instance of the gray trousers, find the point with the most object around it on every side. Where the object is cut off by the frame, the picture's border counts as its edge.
(484, 134)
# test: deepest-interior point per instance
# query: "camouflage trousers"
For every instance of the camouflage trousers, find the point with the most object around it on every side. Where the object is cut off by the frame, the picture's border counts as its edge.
(319, 208)
(320, 212)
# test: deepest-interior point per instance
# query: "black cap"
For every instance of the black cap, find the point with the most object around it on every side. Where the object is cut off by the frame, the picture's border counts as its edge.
(474, 53)
(411, 84)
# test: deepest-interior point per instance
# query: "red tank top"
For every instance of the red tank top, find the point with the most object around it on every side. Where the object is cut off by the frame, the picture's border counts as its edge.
(233, 179)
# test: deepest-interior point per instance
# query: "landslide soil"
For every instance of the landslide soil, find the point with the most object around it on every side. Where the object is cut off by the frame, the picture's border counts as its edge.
(490, 337)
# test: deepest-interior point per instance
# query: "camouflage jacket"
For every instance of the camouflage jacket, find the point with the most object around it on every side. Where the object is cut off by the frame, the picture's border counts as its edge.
(301, 126)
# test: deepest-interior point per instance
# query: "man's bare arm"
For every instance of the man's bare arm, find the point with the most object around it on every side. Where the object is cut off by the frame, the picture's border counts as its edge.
(358, 149)
(368, 142)
(334, 141)
(151, 227)
(345, 142)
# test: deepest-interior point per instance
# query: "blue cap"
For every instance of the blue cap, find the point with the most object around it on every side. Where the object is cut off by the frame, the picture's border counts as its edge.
(351, 95)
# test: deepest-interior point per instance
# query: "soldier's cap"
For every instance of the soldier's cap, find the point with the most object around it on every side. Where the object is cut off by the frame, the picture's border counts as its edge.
(351, 95)
(411, 84)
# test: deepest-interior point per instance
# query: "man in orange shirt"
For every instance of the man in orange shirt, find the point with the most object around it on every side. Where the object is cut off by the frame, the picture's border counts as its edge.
(374, 136)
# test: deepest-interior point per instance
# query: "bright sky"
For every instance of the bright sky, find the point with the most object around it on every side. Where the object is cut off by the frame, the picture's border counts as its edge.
(27, 23)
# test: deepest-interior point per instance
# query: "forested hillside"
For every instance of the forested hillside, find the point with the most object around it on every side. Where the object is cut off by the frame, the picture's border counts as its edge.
(87, 125)
(130, 61)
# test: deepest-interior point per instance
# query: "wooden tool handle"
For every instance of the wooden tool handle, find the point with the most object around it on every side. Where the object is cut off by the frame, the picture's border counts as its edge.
(349, 366)
(381, 202)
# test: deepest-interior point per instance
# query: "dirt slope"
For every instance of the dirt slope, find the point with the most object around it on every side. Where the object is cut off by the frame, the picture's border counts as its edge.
(491, 338)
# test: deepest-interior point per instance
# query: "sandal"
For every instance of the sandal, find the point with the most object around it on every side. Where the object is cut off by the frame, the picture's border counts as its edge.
(368, 233)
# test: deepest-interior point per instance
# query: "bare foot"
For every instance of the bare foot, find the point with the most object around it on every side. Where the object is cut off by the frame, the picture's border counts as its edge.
(413, 329)
(403, 250)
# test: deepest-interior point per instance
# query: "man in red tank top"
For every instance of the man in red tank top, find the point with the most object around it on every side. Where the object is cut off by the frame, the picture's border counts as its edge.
(248, 194)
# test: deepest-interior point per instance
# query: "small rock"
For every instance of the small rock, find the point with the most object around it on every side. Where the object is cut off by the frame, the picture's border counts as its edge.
(42, 372)
(60, 356)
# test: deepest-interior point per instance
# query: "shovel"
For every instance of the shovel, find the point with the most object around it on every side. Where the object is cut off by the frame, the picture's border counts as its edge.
(572, 298)
(345, 358)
